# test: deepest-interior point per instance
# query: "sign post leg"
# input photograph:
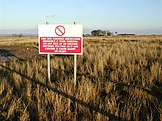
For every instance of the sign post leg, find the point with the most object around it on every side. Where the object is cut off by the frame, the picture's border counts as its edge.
(75, 69)
(48, 68)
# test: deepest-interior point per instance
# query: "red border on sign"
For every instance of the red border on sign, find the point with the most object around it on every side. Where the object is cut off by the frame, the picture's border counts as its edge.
(54, 41)
(60, 30)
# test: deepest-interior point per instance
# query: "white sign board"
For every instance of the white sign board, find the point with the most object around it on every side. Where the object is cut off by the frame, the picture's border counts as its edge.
(60, 39)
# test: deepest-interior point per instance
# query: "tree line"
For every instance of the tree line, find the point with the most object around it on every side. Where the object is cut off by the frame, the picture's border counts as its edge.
(100, 32)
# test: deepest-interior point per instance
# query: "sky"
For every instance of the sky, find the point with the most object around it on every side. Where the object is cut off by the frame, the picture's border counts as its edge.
(122, 16)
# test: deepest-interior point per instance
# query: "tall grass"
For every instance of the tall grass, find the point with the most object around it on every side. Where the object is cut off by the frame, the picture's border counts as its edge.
(118, 78)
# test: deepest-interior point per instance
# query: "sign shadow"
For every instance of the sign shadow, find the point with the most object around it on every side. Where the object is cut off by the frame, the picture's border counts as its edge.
(67, 96)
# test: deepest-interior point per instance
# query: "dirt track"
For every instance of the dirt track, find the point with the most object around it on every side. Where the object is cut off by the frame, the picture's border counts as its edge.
(10, 53)
(15, 48)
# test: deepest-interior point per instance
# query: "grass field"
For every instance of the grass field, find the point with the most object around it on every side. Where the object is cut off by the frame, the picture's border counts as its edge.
(118, 78)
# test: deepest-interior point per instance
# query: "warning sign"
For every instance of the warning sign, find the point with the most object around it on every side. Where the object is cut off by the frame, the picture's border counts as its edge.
(60, 44)
(60, 39)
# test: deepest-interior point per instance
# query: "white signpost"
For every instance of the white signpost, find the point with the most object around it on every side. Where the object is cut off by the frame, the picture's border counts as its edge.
(61, 39)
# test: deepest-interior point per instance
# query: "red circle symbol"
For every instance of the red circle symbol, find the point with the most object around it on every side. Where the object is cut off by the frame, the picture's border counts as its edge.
(60, 30)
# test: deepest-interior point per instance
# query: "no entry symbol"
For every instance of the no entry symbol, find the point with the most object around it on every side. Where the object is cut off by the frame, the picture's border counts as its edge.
(60, 30)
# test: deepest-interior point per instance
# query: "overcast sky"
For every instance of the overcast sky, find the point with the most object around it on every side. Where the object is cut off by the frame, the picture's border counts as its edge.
(123, 16)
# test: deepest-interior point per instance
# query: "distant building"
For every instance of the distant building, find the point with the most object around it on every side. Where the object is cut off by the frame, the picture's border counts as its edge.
(125, 34)
(17, 35)
(86, 35)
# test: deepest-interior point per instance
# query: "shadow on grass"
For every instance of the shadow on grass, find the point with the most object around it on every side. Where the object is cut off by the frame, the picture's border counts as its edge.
(155, 90)
(72, 98)
(8, 56)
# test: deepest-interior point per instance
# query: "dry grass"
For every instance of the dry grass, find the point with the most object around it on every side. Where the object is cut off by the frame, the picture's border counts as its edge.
(119, 78)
